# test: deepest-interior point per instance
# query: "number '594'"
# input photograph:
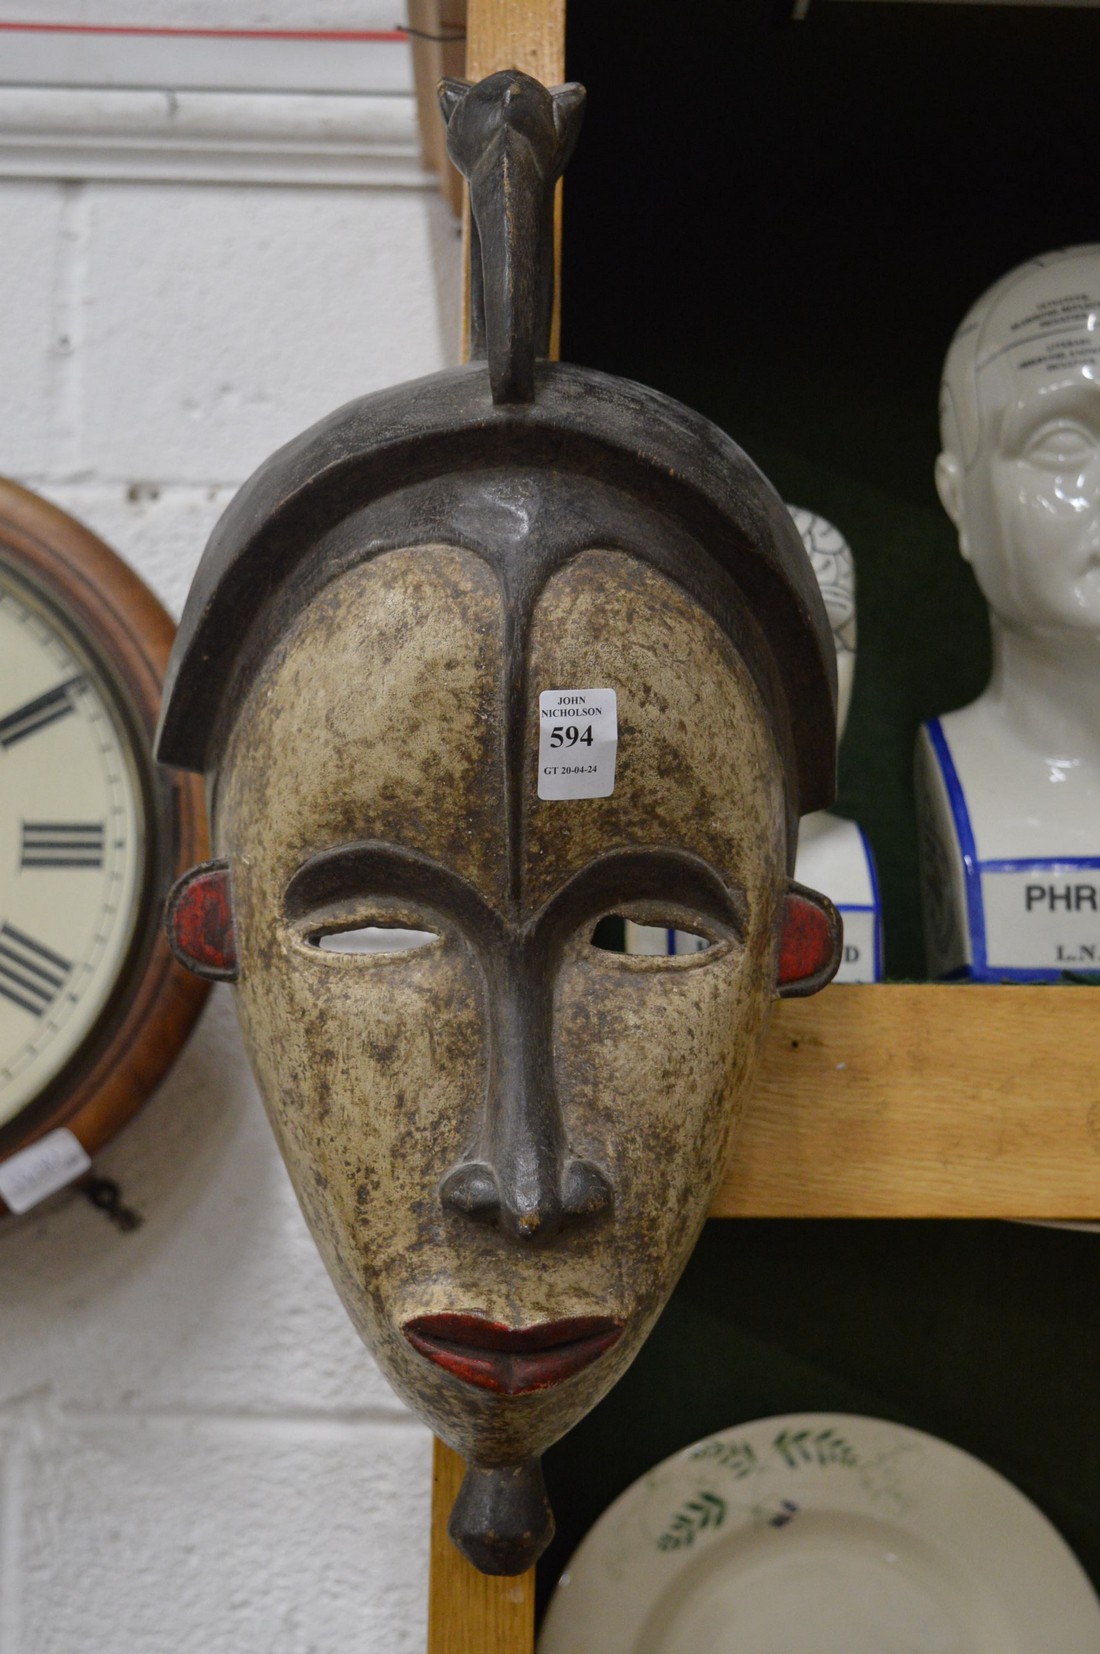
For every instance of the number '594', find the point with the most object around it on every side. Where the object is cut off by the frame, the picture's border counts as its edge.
(570, 736)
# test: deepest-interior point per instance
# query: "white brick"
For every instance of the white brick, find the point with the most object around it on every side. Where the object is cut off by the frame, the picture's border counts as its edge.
(220, 322)
(205, 1538)
(32, 355)
(219, 1301)
(159, 531)
(254, 14)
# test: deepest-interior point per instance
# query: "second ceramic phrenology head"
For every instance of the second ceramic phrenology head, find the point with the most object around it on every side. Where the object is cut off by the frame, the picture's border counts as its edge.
(835, 570)
(504, 1136)
(1020, 422)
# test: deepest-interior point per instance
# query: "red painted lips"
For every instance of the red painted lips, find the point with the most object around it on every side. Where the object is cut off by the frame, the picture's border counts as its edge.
(511, 1361)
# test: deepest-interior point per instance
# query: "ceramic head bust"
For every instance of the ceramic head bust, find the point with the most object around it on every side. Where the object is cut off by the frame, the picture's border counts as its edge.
(835, 571)
(1008, 787)
(1020, 431)
(504, 1137)
(833, 852)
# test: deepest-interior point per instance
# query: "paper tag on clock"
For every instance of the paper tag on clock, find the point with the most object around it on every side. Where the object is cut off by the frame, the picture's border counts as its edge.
(41, 1169)
(578, 740)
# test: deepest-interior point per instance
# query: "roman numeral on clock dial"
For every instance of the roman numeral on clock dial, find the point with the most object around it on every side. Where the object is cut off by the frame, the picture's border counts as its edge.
(38, 714)
(75, 845)
(62, 844)
(31, 975)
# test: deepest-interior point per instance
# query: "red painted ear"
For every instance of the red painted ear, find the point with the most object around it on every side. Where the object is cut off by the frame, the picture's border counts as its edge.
(810, 943)
(198, 918)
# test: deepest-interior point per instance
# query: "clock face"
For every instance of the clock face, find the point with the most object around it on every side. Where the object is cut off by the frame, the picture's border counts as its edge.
(73, 846)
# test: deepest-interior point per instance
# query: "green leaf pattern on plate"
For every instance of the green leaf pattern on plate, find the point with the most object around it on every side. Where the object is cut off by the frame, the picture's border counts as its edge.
(823, 1447)
(706, 1511)
(731, 1459)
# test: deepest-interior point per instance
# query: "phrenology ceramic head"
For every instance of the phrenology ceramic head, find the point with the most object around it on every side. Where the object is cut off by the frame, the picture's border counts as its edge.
(504, 1139)
(1020, 427)
(835, 570)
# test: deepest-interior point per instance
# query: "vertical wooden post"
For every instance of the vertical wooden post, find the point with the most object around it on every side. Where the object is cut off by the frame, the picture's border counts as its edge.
(437, 35)
(516, 34)
(469, 1612)
(527, 35)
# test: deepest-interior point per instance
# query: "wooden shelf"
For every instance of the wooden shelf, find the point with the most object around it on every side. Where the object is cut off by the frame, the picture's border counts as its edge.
(924, 1101)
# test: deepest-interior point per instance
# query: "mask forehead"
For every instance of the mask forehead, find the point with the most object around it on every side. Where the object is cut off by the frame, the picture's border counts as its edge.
(378, 715)
(696, 768)
(382, 715)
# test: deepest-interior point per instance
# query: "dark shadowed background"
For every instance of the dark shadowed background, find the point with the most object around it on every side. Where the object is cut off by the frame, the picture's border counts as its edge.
(782, 224)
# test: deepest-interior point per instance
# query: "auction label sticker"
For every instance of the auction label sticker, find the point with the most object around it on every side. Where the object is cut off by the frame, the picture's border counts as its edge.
(578, 740)
(41, 1169)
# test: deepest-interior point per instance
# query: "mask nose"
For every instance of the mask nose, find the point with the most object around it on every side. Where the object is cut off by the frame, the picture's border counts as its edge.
(532, 1203)
(520, 1177)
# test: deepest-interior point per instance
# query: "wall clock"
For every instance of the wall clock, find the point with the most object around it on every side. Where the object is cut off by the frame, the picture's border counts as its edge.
(93, 1009)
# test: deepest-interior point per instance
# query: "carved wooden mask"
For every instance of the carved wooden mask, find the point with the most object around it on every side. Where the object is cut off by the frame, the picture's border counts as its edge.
(503, 1135)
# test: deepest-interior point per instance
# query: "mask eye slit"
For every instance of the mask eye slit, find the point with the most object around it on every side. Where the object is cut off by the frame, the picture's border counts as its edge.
(371, 939)
(672, 940)
(659, 937)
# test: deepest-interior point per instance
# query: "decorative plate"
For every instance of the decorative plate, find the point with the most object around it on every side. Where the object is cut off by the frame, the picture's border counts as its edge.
(822, 1534)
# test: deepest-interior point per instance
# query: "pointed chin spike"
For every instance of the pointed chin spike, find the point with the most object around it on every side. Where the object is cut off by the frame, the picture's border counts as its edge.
(501, 1520)
(810, 943)
(198, 918)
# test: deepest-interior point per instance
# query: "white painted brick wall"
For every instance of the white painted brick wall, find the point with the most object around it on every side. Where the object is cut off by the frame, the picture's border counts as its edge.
(30, 360)
(196, 1454)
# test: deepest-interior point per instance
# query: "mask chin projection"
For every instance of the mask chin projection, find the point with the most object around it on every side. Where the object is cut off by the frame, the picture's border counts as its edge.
(503, 1133)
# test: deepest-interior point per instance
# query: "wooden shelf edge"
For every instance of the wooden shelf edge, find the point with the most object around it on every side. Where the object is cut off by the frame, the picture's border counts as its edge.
(899, 1100)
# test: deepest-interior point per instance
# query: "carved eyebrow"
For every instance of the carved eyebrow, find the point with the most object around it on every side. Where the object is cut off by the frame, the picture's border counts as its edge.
(664, 874)
(372, 867)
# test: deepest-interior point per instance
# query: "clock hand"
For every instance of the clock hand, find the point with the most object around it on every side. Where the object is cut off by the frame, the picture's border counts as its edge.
(37, 714)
